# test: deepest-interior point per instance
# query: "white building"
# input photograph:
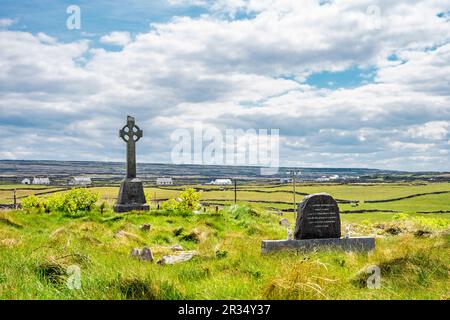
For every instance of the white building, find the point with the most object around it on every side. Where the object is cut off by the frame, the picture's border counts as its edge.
(222, 181)
(26, 181)
(164, 181)
(41, 181)
(80, 181)
(285, 180)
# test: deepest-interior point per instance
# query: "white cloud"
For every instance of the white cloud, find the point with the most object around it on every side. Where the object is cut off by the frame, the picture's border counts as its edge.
(44, 38)
(6, 22)
(118, 38)
(247, 73)
(434, 130)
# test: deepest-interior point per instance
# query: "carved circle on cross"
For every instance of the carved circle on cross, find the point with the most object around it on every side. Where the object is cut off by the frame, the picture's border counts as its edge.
(133, 132)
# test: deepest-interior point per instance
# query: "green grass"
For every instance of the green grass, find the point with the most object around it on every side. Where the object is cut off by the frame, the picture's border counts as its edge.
(36, 249)
(412, 248)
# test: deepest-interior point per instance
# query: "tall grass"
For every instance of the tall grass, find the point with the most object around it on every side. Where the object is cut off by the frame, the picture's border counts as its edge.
(36, 249)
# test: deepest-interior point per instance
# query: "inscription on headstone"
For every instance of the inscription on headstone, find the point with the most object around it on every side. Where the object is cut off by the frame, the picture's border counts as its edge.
(318, 218)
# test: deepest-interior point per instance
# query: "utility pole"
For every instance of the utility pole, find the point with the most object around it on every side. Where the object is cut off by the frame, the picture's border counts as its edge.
(235, 190)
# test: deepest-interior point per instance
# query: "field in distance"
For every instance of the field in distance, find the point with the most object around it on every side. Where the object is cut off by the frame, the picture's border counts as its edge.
(381, 197)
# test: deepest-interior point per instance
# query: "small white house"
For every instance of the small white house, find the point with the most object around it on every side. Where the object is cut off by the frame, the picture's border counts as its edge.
(80, 181)
(26, 181)
(222, 182)
(164, 181)
(285, 180)
(41, 181)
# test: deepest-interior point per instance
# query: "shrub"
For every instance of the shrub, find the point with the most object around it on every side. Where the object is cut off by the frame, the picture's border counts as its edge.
(188, 202)
(79, 199)
(32, 202)
(170, 205)
(55, 202)
(148, 197)
(400, 216)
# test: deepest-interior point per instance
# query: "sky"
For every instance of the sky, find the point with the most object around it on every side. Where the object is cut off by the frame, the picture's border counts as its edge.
(362, 83)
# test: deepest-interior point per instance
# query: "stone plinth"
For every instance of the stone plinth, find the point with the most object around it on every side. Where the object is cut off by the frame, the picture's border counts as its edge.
(131, 196)
(353, 244)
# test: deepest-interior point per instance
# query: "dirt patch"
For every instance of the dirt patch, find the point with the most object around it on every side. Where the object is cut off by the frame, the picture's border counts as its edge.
(51, 272)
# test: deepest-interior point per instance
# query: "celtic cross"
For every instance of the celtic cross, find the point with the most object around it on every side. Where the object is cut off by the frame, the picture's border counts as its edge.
(131, 134)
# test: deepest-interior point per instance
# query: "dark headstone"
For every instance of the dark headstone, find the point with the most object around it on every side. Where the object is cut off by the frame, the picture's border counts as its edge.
(144, 254)
(318, 218)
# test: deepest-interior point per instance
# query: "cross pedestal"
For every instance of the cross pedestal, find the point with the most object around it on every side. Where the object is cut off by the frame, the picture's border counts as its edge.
(131, 194)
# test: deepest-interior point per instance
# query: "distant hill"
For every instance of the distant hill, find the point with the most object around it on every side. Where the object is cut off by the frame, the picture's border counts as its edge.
(115, 170)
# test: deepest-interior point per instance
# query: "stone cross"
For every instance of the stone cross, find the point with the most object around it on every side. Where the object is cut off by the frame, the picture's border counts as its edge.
(131, 192)
(131, 134)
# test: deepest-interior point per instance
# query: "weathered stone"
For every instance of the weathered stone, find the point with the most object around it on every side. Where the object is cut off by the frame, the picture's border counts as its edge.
(184, 256)
(146, 254)
(318, 218)
(175, 247)
(284, 222)
(131, 194)
(135, 253)
(353, 244)
(146, 227)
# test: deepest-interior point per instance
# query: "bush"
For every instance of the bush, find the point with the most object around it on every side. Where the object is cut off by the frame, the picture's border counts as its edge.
(32, 202)
(79, 199)
(55, 202)
(148, 198)
(400, 216)
(170, 205)
(188, 202)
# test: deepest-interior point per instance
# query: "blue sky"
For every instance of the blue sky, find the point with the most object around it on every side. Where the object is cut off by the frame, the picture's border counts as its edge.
(98, 17)
(347, 83)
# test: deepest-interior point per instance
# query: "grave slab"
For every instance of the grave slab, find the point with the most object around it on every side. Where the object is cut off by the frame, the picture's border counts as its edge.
(347, 244)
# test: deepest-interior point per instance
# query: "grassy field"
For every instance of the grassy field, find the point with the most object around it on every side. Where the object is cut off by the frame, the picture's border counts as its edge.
(413, 249)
